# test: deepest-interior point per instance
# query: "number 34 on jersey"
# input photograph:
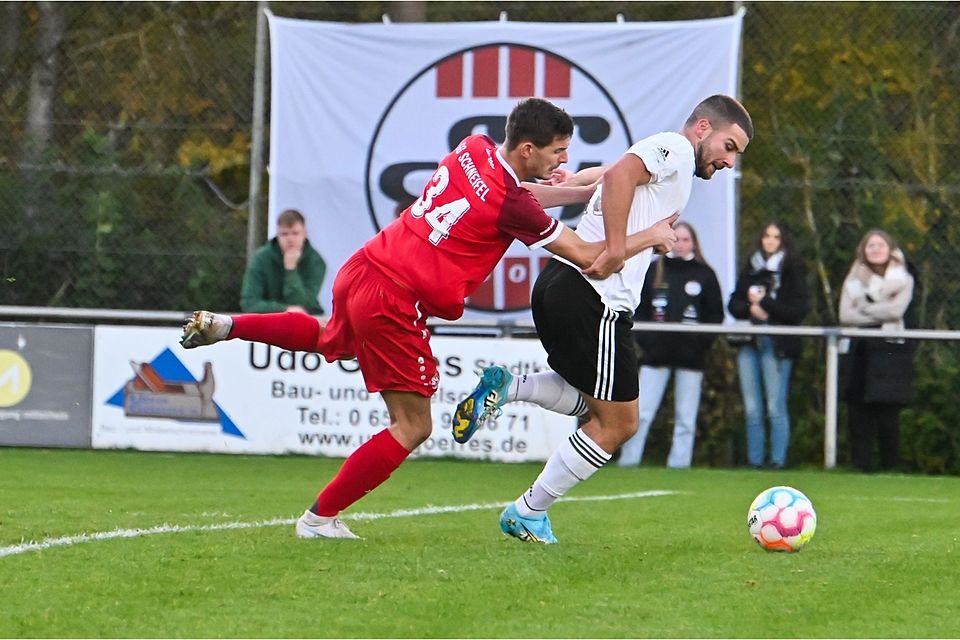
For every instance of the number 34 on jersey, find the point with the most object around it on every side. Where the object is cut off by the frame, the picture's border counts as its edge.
(440, 217)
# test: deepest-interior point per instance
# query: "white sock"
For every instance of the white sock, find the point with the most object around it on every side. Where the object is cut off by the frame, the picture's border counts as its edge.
(548, 390)
(575, 460)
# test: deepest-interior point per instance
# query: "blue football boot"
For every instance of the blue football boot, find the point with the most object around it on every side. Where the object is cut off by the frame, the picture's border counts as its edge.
(489, 395)
(526, 529)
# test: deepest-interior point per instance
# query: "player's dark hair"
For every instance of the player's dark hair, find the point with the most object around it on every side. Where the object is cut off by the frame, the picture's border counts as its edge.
(723, 110)
(289, 218)
(537, 121)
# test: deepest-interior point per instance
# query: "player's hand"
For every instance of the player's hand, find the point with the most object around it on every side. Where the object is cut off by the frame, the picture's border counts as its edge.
(604, 266)
(561, 178)
(664, 234)
(295, 308)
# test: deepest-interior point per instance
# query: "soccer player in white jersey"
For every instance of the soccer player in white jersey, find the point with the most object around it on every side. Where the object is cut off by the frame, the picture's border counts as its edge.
(584, 320)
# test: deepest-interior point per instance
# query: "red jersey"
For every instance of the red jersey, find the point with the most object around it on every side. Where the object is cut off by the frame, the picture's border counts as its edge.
(445, 244)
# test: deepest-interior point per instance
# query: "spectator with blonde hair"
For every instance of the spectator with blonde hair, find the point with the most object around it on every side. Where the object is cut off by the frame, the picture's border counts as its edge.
(878, 379)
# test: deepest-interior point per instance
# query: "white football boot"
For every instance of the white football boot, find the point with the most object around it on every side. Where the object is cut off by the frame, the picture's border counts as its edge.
(205, 327)
(310, 525)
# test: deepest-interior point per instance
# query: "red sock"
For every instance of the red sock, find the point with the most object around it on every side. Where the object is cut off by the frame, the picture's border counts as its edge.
(366, 469)
(287, 330)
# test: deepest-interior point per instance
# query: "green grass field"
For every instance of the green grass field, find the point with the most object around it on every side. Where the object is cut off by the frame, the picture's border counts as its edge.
(885, 561)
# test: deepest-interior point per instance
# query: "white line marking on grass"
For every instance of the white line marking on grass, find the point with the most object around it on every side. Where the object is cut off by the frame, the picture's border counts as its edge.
(896, 499)
(67, 541)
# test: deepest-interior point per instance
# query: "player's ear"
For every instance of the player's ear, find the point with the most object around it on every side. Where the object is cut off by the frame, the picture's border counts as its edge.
(702, 127)
(526, 149)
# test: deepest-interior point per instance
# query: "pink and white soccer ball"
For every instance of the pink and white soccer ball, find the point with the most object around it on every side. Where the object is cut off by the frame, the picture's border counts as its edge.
(782, 519)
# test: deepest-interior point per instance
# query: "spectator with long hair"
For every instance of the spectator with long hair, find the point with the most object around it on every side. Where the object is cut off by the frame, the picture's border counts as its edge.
(679, 287)
(877, 292)
(771, 290)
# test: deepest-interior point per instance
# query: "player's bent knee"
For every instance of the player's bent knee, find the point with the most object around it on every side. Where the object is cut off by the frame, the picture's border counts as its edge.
(622, 426)
(628, 430)
(411, 434)
(410, 419)
(421, 431)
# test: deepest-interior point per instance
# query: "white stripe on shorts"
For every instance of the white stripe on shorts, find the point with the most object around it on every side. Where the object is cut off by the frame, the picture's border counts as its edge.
(606, 352)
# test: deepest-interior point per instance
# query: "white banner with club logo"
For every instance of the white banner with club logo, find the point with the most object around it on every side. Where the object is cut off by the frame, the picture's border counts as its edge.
(360, 114)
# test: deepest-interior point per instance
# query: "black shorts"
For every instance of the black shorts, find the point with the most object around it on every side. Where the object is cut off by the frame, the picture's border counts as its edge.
(589, 344)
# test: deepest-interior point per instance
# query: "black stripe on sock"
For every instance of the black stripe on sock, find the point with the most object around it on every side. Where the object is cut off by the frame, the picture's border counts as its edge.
(586, 452)
(603, 456)
(581, 406)
(578, 408)
(527, 502)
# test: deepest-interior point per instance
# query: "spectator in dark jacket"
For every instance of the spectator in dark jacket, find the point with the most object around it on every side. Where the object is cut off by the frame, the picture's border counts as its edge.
(286, 273)
(877, 292)
(771, 289)
(679, 287)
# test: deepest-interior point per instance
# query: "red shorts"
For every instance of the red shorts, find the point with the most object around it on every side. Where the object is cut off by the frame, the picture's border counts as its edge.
(380, 322)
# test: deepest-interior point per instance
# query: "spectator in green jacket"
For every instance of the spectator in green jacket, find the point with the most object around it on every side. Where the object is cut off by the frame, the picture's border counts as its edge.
(286, 273)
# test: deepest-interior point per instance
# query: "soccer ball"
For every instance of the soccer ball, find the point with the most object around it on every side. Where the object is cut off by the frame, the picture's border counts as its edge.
(782, 519)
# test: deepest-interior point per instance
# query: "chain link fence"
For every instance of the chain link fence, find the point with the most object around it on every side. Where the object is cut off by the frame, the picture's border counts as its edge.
(125, 164)
(123, 176)
(125, 169)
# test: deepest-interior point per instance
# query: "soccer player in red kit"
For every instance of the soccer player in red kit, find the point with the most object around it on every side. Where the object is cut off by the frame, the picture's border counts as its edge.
(426, 263)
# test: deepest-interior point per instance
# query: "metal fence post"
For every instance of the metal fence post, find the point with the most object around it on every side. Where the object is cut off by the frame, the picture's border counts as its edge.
(830, 403)
(256, 138)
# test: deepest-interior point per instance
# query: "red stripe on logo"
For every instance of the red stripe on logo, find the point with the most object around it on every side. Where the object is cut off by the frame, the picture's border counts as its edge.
(450, 77)
(486, 72)
(557, 82)
(521, 72)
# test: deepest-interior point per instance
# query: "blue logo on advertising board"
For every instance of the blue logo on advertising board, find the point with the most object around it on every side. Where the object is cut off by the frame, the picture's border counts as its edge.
(165, 388)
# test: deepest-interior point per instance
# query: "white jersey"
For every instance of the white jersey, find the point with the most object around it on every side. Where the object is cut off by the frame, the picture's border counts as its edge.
(669, 159)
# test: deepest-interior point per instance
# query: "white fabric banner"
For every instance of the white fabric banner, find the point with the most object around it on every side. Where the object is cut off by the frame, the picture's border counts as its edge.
(360, 115)
(242, 397)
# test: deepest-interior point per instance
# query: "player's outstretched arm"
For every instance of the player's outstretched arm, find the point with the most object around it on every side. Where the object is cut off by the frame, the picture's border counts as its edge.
(585, 254)
(660, 236)
(552, 196)
(582, 178)
(574, 248)
(619, 182)
(566, 187)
